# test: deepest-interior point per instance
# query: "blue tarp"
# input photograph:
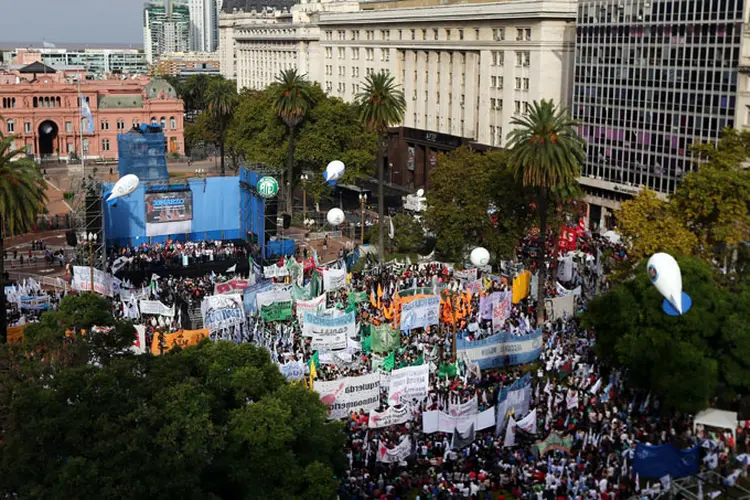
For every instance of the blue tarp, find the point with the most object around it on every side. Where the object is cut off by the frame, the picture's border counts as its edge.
(660, 461)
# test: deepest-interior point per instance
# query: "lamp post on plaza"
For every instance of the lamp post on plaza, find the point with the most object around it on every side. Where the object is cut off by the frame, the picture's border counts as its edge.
(304, 178)
(362, 202)
(91, 239)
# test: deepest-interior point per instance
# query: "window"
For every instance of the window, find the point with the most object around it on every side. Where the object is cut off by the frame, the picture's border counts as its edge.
(463, 99)
(27, 127)
(414, 95)
(498, 58)
(496, 82)
(355, 71)
(68, 127)
(385, 34)
(526, 84)
(523, 58)
(519, 34)
(370, 54)
(105, 124)
(85, 145)
(172, 123)
(342, 53)
(413, 34)
(385, 55)
(424, 34)
(163, 122)
(342, 35)
(342, 71)
(9, 102)
(437, 98)
(329, 86)
(400, 34)
(447, 34)
(370, 34)
(517, 107)
(498, 34)
(527, 34)
(329, 69)
(341, 88)
(329, 52)
(518, 83)
(476, 33)
(492, 135)
(434, 34)
(355, 54)
(11, 126)
(369, 71)
(105, 144)
(120, 124)
(498, 136)
(329, 35)
(460, 34)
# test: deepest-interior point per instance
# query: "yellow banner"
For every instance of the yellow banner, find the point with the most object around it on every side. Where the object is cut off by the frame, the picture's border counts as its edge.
(15, 334)
(521, 286)
(182, 338)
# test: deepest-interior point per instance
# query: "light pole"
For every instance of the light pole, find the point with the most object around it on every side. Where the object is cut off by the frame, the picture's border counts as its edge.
(304, 178)
(201, 174)
(91, 239)
(362, 202)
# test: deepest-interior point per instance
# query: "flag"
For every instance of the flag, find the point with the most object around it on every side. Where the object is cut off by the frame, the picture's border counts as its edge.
(510, 433)
(86, 113)
(462, 439)
(391, 231)
(313, 375)
(231, 269)
(389, 362)
(595, 388)
(528, 423)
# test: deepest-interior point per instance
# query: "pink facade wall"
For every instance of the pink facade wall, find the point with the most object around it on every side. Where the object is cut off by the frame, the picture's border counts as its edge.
(57, 102)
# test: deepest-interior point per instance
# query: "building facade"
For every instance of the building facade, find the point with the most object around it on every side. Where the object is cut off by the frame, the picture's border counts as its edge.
(204, 24)
(97, 63)
(652, 78)
(41, 109)
(166, 28)
(184, 64)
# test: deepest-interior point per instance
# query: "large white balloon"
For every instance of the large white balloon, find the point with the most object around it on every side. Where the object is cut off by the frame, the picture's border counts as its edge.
(665, 275)
(334, 171)
(335, 216)
(123, 187)
(479, 257)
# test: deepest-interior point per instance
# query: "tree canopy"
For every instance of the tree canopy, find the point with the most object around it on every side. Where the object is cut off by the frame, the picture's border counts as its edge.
(213, 421)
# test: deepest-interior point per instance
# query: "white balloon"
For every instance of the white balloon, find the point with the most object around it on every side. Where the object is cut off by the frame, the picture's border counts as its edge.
(335, 216)
(420, 192)
(334, 170)
(479, 257)
(665, 275)
(124, 187)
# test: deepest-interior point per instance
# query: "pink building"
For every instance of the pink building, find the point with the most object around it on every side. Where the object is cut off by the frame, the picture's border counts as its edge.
(40, 107)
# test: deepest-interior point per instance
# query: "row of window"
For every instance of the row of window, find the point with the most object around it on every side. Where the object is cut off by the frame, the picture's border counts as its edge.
(11, 124)
(434, 34)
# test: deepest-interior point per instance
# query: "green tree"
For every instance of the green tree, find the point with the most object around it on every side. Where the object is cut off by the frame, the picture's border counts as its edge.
(216, 420)
(408, 235)
(546, 154)
(193, 94)
(647, 227)
(684, 361)
(221, 100)
(293, 101)
(22, 197)
(382, 105)
(202, 130)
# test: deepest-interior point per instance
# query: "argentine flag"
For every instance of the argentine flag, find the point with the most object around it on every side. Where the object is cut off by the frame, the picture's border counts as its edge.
(86, 113)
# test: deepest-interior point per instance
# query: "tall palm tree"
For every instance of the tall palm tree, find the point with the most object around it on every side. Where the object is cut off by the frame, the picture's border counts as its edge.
(293, 100)
(546, 153)
(381, 105)
(22, 196)
(221, 99)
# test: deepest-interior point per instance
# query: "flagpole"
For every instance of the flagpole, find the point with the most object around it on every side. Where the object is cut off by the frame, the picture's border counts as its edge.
(80, 126)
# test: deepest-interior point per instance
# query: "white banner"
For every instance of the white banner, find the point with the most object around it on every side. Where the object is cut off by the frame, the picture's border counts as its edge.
(470, 407)
(82, 281)
(466, 274)
(501, 307)
(420, 313)
(280, 293)
(514, 400)
(393, 415)
(409, 383)
(333, 279)
(275, 271)
(394, 455)
(350, 394)
(559, 307)
(329, 333)
(313, 306)
(139, 344)
(222, 311)
(528, 423)
(155, 307)
(434, 421)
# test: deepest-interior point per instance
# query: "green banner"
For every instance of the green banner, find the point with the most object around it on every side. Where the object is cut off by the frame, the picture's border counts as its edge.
(385, 338)
(278, 311)
(425, 290)
(358, 297)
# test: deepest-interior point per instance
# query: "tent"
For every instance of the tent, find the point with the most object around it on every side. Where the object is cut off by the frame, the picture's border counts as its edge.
(717, 418)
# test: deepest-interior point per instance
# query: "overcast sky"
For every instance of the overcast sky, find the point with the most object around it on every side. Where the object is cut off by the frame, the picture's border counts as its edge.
(72, 21)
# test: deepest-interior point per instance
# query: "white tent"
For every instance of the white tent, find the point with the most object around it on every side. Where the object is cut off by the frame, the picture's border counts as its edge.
(717, 418)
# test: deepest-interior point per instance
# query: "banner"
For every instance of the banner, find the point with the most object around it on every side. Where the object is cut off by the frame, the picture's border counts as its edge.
(659, 461)
(333, 279)
(393, 415)
(155, 307)
(494, 351)
(277, 293)
(350, 394)
(182, 338)
(139, 344)
(275, 271)
(34, 303)
(231, 286)
(560, 307)
(438, 421)
(485, 307)
(420, 313)
(555, 442)
(501, 304)
(82, 281)
(384, 338)
(466, 274)
(249, 295)
(562, 291)
(169, 212)
(222, 311)
(313, 306)
(513, 400)
(329, 333)
(394, 455)
(14, 334)
(294, 370)
(278, 311)
(409, 383)
(470, 407)
(521, 285)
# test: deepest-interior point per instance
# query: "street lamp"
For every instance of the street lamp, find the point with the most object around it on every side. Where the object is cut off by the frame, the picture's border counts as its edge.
(91, 239)
(304, 178)
(362, 202)
(201, 174)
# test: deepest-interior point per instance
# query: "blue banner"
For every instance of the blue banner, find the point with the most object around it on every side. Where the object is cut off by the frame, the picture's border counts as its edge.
(493, 351)
(249, 294)
(420, 313)
(514, 400)
(659, 461)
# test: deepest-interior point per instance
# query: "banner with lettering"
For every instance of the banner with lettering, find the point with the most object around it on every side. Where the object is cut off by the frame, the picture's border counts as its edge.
(278, 311)
(34, 302)
(275, 271)
(494, 351)
(222, 311)
(501, 304)
(349, 394)
(293, 370)
(434, 421)
(470, 407)
(420, 313)
(384, 338)
(278, 293)
(182, 338)
(393, 415)
(231, 286)
(82, 281)
(333, 279)
(409, 383)
(466, 274)
(155, 307)
(394, 455)
(329, 333)
(313, 306)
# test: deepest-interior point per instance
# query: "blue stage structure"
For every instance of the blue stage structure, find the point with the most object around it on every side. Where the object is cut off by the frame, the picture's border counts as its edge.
(142, 152)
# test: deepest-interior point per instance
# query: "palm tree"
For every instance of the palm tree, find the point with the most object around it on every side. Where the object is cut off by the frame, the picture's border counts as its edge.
(22, 196)
(381, 105)
(545, 153)
(293, 100)
(221, 99)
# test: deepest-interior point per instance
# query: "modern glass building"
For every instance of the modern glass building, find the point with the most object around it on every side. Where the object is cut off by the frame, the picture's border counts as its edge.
(166, 28)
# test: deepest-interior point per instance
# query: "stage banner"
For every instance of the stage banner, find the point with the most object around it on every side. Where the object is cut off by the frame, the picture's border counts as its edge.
(491, 352)
(393, 415)
(514, 400)
(279, 293)
(35, 302)
(222, 311)
(420, 313)
(82, 281)
(470, 407)
(501, 304)
(384, 338)
(169, 212)
(351, 394)
(659, 461)
(231, 286)
(329, 333)
(155, 307)
(394, 455)
(182, 338)
(438, 421)
(314, 306)
(278, 311)
(333, 279)
(275, 271)
(409, 383)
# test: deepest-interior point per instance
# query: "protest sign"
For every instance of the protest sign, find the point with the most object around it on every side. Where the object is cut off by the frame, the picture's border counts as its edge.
(470, 407)
(333, 279)
(313, 306)
(501, 304)
(409, 383)
(393, 415)
(182, 338)
(249, 295)
(278, 311)
(494, 351)
(222, 311)
(513, 400)
(394, 455)
(560, 307)
(275, 271)
(349, 394)
(82, 281)
(294, 370)
(420, 313)
(231, 286)
(329, 333)
(438, 421)
(384, 338)
(466, 274)
(155, 307)
(277, 293)
(34, 302)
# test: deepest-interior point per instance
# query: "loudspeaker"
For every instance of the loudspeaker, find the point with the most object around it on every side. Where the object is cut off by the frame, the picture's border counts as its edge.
(272, 211)
(71, 238)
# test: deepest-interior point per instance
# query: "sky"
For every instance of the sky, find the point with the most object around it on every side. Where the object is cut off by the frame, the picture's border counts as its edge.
(72, 21)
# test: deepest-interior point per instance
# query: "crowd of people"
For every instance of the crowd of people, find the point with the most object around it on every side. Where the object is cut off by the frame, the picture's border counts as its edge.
(173, 254)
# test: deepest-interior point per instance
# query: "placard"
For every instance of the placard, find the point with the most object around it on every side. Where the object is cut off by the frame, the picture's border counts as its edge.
(351, 394)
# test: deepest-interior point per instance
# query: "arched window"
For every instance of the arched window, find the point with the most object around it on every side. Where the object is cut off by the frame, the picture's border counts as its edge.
(153, 120)
(59, 102)
(35, 102)
(172, 123)
(163, 122)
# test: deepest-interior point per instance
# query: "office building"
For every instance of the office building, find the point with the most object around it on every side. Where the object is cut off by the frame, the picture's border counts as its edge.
(652, 78)
(204, 24)
(184, 64)
(166, 28)
(98, 63)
